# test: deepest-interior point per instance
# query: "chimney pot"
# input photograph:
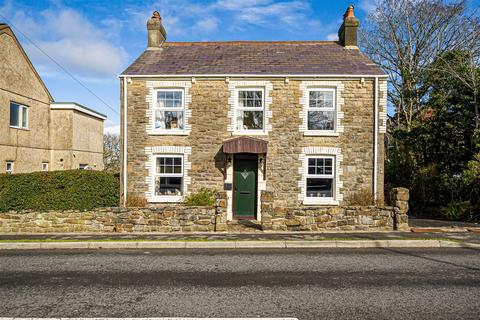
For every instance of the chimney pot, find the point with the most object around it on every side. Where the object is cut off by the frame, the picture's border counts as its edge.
(348, 32)
(156, 32)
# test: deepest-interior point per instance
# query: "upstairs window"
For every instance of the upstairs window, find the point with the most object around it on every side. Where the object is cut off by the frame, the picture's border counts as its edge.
(18, 116)
(168, 176)
(170, 110)
(9, 167)
(321, 110)
(250, 110)
(320, 177)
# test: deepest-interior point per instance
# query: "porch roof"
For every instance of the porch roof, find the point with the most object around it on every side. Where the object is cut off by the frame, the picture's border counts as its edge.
(245, 145)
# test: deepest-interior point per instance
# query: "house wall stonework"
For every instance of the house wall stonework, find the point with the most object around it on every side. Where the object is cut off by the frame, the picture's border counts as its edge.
(209, 128)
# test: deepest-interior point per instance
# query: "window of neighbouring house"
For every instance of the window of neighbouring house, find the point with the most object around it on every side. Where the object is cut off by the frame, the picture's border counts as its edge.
(250, 113)
(44, 166)
(321, 110)
(18, 115)
(169, 109)
(320, 177)
(9, 167)
(168, 175)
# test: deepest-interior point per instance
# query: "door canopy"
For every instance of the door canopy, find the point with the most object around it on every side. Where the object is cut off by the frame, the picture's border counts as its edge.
(245, 145)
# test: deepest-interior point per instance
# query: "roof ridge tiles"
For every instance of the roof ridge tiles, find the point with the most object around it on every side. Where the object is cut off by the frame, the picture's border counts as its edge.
(240, 42)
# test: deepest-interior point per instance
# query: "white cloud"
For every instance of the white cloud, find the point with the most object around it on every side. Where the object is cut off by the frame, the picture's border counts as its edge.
(367, 5)
(241, 4)
(111, 127)
(332, 37)
(207, 24)
(68, 37)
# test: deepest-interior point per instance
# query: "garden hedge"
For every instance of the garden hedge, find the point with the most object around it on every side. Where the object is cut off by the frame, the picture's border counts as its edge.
(59, 190)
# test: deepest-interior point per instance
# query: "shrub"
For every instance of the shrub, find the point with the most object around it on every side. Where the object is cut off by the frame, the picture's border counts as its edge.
(59, 190)
(203, 197)
(363, 197)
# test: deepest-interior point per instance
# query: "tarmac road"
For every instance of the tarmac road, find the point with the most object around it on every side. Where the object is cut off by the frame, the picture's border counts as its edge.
(305, 284)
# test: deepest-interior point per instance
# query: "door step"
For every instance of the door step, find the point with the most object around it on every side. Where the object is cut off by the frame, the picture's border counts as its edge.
(244, 226)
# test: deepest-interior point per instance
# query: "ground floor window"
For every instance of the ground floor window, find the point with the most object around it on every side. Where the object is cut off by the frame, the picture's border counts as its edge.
(9, 167)
(320, 178)
(44, 166)
(83, 166)
(168, 175)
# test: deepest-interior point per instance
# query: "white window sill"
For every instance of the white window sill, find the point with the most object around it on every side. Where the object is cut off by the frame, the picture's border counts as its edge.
(321, 134)
(20, 128)
(320, 202)
(169, 133)
(250, 133)
(169, 199)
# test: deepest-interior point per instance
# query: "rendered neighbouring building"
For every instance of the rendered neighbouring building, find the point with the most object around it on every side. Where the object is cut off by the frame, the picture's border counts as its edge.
(37, 133)
(285, 127)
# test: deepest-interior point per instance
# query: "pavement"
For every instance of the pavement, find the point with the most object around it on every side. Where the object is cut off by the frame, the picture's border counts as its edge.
(307, 284)
(240, 240)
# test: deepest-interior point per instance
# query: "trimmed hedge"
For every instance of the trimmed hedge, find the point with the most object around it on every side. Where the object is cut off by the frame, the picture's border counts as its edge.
(59, 190)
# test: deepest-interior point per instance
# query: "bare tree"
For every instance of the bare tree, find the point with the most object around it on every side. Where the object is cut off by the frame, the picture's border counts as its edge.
(111, 152)
(405, 37)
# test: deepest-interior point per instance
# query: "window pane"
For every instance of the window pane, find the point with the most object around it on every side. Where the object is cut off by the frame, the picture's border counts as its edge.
(168, 186)
(320, 188)
(14, 114)
(250, 99)
(321, 120)
(24, 117)
(252, 120)
(173, 119)
(321, 99)
(159, 119)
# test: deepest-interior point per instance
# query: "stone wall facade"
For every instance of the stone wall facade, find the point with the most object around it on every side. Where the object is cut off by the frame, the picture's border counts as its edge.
(209, 129)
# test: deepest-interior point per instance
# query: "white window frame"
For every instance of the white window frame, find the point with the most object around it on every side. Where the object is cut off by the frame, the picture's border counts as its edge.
(237, 109)
(44, 166)
(320, 176)
(20, 115)
(167, 198)
(157, 108)
(9, 171)
(334, 109)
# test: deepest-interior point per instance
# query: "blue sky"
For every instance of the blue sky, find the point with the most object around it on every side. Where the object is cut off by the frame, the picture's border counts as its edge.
(96, 40)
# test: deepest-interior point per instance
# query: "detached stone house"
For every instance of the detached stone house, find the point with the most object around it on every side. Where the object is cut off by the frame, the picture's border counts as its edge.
(278, 126)
(36, 133)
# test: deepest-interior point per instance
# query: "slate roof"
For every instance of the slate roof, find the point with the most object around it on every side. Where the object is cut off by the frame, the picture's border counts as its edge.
(253, 58)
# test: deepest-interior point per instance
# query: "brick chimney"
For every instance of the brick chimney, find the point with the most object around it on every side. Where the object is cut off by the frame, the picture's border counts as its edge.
(156, 32)
(348, 32)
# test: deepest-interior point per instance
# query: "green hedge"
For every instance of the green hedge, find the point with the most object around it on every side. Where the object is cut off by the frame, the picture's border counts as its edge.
(59, 190)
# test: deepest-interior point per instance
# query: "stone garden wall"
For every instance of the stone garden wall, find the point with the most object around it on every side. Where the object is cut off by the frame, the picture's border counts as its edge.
(180, 218)
(346, 218)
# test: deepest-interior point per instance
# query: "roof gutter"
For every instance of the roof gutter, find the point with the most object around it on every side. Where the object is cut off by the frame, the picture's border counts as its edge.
(253, 76)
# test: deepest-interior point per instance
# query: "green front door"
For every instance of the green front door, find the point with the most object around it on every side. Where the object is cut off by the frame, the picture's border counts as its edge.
(245, 186)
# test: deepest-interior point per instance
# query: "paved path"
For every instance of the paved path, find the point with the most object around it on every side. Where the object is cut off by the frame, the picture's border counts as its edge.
(306, 284)
(432, 223)
(471, 237)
